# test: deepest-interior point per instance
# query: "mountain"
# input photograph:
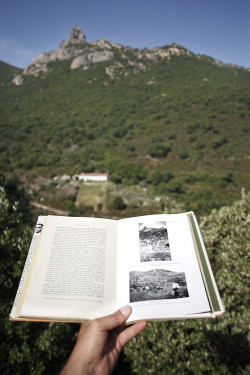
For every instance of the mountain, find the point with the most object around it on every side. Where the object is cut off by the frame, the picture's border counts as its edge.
(7, 72)
(165, 119)
(155, 275)
(82, 55)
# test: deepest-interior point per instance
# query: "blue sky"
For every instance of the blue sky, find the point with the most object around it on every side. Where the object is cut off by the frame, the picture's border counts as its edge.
(217, 28)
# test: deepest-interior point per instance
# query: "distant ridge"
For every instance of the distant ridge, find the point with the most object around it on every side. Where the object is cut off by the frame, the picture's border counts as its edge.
(82, 55)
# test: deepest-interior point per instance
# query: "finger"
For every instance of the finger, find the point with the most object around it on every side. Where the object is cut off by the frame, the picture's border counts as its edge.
(131, 332)
(114, 320)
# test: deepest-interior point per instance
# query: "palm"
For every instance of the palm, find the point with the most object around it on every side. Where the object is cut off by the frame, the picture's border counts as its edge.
(99, 344)
(107, 351)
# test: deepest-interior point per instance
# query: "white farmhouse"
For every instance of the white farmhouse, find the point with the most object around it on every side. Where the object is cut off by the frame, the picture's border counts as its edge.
(92, 177)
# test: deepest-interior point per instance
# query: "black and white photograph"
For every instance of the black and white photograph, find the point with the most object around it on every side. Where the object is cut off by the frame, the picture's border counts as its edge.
(157, 284)
(154, 242)
(38, 228)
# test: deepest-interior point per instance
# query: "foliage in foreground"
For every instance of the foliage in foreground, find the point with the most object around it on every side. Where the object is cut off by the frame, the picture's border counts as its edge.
(184, 347)
(207, 346)
(25, 348)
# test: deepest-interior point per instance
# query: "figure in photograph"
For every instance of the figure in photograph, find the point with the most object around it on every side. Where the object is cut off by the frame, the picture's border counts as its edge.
(157, 284)
(154, 242)
(176, 289)
(38, 228)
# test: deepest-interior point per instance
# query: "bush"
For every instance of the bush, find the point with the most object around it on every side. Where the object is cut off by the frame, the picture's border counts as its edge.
(192, 127)
(202, 199)
(175, 186)
(183, 154)
(218, 142)
(118, 203)
(196, 155)
(85, 209)
(159, 150)
(126, 172)
(157, 177)
(226, 179)
(115, 178)
(199, 145)
(120, 132)
(130, 147)
(172, 136)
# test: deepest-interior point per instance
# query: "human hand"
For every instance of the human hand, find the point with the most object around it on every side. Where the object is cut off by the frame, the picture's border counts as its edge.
(99, 344)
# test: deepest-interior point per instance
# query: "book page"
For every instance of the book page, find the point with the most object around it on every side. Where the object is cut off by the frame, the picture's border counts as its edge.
(74, 271)
(33, 244)
(157, 269)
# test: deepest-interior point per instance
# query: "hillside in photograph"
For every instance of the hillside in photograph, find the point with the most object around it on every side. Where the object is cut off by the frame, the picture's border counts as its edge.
(157, 284)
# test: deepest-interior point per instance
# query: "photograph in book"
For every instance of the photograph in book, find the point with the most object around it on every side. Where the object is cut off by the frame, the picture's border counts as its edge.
(154, 242)
(157, 284)
(38, 228)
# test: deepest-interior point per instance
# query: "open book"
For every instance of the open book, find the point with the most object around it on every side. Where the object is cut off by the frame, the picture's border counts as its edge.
(80, 268)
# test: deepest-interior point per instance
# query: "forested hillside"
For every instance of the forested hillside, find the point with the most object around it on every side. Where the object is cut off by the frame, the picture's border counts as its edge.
(171, 121)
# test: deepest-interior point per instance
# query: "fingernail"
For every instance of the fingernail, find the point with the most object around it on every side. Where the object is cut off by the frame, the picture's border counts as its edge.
(125, 310)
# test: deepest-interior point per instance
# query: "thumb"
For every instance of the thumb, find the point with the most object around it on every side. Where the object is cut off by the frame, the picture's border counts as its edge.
(114, 320)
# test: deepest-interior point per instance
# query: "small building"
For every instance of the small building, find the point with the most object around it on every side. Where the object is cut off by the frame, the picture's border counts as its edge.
(91, 177)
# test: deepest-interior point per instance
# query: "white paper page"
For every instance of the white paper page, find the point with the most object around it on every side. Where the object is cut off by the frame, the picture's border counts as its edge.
(75, 270)
(35, 238)
(154, 254)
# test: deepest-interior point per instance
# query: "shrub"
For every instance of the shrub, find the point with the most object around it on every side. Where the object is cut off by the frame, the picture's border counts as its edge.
(130, 147)
(159, 150)
(199, 145)
(192, 138)
(120, 132)
(85, 209)
(175, 186)
(126, 172)
(183, 154)
(218, 142)
(172, 136)
(118, 203)
(226, 178)
(196, 155)
(167, 176)
(115, 178)
(245, 129)
(192, 127)
(157, 177)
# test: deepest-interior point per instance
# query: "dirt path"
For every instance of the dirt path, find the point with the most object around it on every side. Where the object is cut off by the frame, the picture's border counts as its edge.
(50, 209)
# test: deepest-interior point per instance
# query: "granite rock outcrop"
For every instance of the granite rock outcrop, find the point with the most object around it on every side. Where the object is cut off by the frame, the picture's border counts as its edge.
(82, 55)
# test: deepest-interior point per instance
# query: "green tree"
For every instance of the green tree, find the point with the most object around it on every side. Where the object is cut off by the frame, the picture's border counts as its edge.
(118, 203)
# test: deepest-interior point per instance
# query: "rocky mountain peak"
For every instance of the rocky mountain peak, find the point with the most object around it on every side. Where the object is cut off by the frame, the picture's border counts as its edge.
(82, 55)
(76, 36)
